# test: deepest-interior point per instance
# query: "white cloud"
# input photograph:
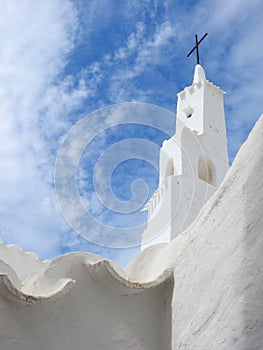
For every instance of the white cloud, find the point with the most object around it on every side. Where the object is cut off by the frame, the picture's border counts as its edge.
(134, 40)
(231, 54)
(35, 99)
(142, 49)
(238, 30)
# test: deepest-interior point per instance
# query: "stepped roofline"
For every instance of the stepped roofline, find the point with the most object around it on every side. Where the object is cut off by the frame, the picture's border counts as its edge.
(198, 81)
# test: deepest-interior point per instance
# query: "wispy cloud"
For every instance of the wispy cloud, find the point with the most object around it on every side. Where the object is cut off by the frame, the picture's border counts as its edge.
(62, 59)
(141, 56)
(231, 55)
(36, 100)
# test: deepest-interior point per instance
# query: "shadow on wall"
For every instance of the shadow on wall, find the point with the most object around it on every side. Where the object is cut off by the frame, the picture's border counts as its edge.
(206, 171)
(90, 316)
(251, 271)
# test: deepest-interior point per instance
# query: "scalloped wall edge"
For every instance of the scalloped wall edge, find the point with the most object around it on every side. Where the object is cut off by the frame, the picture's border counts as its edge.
(103, 272)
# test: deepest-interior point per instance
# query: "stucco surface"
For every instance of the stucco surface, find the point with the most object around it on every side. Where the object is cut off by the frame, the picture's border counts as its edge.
(204, 290)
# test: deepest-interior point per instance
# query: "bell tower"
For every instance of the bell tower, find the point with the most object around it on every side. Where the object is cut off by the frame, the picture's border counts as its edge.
(193, 162)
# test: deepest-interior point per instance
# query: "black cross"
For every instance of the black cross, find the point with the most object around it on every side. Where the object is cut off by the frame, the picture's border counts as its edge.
(197, 43)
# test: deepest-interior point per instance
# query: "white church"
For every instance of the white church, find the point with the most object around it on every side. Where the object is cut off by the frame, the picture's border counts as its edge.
(199, 283)
(193, 162)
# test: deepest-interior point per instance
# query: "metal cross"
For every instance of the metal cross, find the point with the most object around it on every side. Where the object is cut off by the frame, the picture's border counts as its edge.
(197, 43)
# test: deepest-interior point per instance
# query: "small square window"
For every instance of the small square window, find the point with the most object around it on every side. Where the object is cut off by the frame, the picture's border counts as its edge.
(188, 112)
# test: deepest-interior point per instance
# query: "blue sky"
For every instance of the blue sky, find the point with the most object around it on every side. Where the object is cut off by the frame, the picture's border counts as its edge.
(62, 60)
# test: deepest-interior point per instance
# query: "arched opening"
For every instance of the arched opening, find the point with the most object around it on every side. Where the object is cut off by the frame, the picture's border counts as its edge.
(169, 168)
(205, 170)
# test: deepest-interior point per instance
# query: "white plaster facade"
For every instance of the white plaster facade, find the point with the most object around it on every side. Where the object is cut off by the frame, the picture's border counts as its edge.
(193, 162)
(201, 291)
